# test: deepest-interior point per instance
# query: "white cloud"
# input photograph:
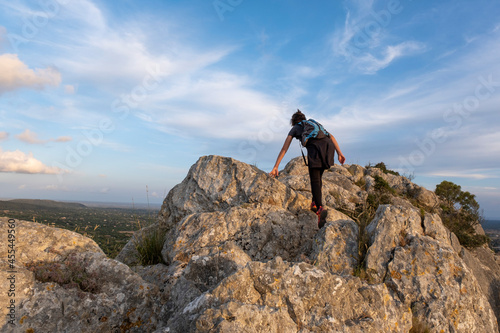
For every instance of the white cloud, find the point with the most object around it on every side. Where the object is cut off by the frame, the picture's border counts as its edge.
(3, 135)
(219, 101)
(29, 137)
(19, 162)
(14, 74)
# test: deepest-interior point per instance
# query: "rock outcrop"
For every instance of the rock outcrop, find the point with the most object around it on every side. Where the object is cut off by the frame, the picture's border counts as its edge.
(116, 298)
(244, 254)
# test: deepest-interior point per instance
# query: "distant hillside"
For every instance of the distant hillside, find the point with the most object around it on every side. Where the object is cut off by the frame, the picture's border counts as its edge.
(18, 204)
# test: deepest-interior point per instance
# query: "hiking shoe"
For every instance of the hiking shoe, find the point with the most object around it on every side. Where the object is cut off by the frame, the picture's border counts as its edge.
(322, 213)
(313, 207)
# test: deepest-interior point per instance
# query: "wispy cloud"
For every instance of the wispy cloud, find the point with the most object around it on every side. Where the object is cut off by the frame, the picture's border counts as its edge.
(31, 137)
(477, 176)
(16, 75)
(63, 139)
(19, 162)
(365, 40)
(371, 63)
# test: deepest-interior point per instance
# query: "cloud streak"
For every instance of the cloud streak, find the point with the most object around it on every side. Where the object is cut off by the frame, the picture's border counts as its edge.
(32, 138)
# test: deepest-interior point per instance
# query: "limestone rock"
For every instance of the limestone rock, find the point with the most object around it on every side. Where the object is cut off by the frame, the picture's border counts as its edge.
(336, 247)
(357, 172)
(442, 292)
(217, 183)
(427, 198)
(369, 183)
(262, 231)
(41, 242)
(244, 254)
(296, 298)
(481, 261)
(389, 229)
(433, 227)
(116, 297)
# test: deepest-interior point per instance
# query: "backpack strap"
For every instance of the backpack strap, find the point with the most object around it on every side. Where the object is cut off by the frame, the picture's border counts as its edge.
(303, 157)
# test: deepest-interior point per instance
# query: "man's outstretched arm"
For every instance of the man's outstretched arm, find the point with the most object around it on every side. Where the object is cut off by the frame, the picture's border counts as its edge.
(282, 153)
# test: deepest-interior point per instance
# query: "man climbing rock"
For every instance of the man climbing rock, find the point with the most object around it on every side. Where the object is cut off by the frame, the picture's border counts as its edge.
(321, 146)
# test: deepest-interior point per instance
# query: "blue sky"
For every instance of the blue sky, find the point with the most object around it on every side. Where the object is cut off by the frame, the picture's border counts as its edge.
(99, 99)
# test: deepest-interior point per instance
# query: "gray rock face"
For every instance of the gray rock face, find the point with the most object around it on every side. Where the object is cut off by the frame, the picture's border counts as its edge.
(246, 265)
(389, 229)
(358, 172)
(117, 300)
(216, 183)
(442, 291)
(484, 266)
(283, 297)
(335, 248)
(245, 254)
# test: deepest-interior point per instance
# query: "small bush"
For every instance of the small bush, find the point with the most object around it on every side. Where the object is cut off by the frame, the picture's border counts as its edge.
(383, 168)
(149, 246)
(383, 186)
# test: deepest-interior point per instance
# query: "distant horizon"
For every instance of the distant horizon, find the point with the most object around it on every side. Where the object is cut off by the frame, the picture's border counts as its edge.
(142, 204)
(112, 204)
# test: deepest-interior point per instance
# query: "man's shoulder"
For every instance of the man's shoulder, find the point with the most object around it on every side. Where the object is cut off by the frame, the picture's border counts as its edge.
(296, 130)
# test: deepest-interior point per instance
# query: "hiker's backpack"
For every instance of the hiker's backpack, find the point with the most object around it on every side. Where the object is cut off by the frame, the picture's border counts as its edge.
(312, 130)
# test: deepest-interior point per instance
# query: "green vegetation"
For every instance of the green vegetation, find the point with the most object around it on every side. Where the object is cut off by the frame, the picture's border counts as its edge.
(110, 228)
(149, 246)
(461, 213)
(383, 168)
(382, 186)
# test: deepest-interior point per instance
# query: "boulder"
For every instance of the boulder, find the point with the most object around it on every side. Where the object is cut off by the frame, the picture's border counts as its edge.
(357, 172)
(335, 248)
(443, 293)
(389, 229)
(217, 183)
(64, 283)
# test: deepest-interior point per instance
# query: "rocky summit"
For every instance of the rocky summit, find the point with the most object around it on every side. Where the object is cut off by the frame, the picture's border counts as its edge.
(243, 253)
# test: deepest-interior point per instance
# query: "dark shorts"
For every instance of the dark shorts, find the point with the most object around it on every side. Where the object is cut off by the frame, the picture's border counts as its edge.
(320, 153)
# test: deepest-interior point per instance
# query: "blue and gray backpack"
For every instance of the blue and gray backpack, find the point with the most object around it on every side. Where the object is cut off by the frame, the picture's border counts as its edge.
(312, 130)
